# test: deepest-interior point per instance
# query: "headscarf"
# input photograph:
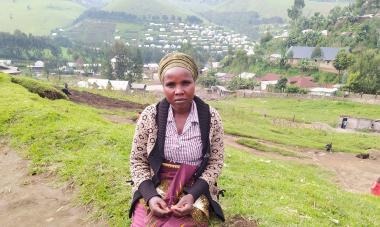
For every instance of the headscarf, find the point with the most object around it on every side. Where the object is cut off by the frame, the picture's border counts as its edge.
(177, 59)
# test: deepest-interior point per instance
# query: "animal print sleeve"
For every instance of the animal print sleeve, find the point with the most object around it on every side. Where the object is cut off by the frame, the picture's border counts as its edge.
(216, 160)
(140, 169)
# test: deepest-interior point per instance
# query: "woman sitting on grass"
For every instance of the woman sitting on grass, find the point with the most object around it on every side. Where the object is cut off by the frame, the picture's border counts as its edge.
(177, 153)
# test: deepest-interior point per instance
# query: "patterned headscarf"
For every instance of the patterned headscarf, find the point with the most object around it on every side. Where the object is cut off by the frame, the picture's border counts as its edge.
(177, 59)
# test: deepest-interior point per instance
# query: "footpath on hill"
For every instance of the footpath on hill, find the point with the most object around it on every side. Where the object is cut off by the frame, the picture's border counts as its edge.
(351, 173)
(27, 200)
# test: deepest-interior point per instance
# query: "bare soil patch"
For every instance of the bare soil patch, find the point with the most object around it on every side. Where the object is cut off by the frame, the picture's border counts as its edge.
(102, 102)
(27, 200)
(118, 119)
(239, 221)
(351, 173)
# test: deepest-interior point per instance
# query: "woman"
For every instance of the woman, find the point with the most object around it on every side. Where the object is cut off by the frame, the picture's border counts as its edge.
(177, 153)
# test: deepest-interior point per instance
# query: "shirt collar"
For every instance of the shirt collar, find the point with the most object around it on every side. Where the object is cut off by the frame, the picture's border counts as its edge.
(193, 116)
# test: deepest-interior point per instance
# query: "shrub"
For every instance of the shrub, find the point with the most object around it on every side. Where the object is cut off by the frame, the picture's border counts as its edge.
(208, 80)
(239, 83)
(295, 90)
(42, 89)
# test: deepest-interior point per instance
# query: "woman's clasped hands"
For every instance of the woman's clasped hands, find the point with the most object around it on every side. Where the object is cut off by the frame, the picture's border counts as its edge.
(159, 207)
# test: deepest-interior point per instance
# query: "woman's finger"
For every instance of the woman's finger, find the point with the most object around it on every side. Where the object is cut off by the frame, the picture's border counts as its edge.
(182, 210)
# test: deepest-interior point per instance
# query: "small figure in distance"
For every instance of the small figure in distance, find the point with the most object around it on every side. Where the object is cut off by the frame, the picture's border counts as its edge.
(328, 147)
(66, 90)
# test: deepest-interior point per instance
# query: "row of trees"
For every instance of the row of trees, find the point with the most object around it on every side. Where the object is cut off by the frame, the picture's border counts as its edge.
(27, 47)
(132, 18)
(127, 64)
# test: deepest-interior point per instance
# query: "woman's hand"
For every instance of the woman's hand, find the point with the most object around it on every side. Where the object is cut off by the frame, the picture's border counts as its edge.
(184, 206)
(158, 206)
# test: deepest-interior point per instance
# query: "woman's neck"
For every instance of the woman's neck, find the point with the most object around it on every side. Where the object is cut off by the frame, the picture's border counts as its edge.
(182, 111)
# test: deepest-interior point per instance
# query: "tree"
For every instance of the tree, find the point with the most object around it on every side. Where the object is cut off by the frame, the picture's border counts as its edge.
(342, 61)
(317, 53)
(128, 63)
(107, 69)
(266, 38)
(304, 65)
(296, 10)
(239, 83)
(199, 57)
(119, 51)
(295, 90)
(135, 66)
(364, 74)
(209, 79)
(281, 84)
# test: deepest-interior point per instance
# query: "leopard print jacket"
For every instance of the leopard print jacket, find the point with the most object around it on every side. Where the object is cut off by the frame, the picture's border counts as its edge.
(144, 141)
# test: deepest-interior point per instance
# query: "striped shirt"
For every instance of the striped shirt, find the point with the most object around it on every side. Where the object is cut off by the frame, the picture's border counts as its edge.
(184, 148)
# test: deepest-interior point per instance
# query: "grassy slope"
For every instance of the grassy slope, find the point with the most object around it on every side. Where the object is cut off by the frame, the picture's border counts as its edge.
(43, 16)
(271, 8)
(284, 194)
(250, 112)
(78, 144)
(146, 7)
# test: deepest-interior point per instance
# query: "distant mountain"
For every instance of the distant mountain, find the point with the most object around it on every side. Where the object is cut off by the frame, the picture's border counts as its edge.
(40, 17)
(272, 8)
(37, 16)
(93, 3)
(147, 7)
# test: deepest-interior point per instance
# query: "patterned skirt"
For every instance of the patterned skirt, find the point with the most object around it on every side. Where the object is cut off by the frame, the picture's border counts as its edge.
(173, 180)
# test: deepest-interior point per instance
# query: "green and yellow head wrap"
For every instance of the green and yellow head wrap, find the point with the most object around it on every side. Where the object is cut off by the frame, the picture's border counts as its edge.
(177, 59)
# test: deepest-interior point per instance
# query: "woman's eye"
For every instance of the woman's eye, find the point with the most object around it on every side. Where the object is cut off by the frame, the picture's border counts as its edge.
(171, 85)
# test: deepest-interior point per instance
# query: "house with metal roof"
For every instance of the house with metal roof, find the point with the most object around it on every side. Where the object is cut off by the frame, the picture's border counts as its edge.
(269, 79)
(325, 60)
(305, 82)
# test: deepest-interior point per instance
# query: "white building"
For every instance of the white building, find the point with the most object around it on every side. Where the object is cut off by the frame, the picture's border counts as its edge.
(246, 75)
(119, 85)
(323, 91)
(98, 83)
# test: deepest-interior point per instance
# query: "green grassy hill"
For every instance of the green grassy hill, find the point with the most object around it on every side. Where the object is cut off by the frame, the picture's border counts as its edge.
(37, 16)
(271, 8)
(146, 7)
(268, 8)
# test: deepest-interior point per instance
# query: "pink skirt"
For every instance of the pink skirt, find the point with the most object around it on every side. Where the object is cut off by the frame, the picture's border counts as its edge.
(173, 179)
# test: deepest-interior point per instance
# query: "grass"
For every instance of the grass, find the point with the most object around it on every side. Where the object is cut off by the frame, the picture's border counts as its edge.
(79, 145)
(92, 31)
(44, 90)
(41, 17)
(73, 141)
(278, 127)
(252, 143)
(283, 194)
(272, 8)
(307, 111)
(146, 7)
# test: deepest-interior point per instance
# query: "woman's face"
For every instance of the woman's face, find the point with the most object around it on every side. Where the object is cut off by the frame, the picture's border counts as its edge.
(179, 87)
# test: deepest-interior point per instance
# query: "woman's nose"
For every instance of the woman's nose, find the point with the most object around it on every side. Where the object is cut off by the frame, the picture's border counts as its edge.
(178, 90)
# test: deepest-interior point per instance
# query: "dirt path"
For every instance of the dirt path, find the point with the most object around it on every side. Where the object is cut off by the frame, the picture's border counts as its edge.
(103, 102)
(352, 173)
(31, 200)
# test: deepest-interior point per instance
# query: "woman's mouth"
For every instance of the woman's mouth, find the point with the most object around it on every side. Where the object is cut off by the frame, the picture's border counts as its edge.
(180, 100)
